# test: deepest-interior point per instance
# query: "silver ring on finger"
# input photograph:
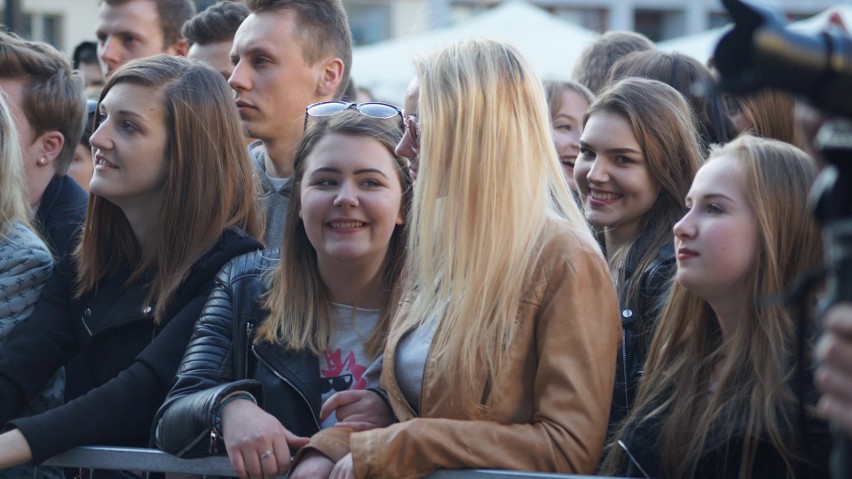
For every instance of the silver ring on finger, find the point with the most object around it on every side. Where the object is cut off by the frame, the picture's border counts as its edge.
(265, 454)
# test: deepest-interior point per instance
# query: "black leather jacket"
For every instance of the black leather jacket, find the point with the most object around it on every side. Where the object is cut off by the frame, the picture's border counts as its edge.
(638, 319)
(222, 358)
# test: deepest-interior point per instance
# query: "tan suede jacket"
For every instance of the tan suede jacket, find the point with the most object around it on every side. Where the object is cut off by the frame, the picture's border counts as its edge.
(550, 411)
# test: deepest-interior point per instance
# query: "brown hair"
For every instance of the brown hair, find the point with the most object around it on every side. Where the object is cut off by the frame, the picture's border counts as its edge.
(754, 396)
(54, 96)
(686, 75)
(664, 126)
(172, 15)
(218, 23)
(770, 114)
(209, 183)
(592, 67)
(322, 30)
(297, 301)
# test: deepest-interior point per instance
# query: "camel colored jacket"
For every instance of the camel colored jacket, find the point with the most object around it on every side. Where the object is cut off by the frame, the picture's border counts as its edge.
(549, 407)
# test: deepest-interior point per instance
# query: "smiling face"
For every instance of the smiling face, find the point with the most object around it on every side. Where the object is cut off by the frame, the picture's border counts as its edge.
(613, 176)
(272, 80)
(567, 127)
(716, 241)
(128, 31)
(129, 147)
(351, 199)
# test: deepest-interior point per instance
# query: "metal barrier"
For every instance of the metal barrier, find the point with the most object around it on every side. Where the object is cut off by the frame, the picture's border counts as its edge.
(135, 459)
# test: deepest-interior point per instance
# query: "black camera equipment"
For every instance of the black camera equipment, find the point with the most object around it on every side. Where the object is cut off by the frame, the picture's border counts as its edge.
(760, 52)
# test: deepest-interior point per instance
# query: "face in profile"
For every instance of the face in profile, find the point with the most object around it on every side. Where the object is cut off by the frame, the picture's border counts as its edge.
(128, 31)
(129, 147)
(567, 126)
(409, 145)
(351, 198)
(613, 176)
(273, 84)
(716, 241)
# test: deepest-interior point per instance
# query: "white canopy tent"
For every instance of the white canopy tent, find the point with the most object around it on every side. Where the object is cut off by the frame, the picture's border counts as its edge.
(548, 42)
(702, 45)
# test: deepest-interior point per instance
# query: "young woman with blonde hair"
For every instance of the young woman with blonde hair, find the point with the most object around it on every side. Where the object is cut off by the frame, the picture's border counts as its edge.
(568, 102)
(170, 203)
(717, 397)
(638, 154)
(502, 353)
(311, 320)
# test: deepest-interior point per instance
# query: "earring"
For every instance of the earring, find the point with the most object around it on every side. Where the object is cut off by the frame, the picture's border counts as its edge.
(42, 161)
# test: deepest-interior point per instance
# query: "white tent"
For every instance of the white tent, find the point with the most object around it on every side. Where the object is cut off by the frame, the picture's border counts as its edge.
(548, 42)
(702, 45)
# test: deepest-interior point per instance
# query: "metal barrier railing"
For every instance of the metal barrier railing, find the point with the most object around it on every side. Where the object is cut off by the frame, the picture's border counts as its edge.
(135, 459)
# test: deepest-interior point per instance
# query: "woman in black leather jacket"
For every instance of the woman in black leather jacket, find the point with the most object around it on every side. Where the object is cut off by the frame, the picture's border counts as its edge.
(167, 209)
(638, 153)
(273, 340)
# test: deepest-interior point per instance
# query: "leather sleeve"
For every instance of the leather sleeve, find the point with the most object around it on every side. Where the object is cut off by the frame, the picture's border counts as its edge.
(205, 375)
(575, 338)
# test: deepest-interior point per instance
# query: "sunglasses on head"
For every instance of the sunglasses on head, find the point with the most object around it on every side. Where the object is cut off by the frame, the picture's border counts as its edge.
(379, 110)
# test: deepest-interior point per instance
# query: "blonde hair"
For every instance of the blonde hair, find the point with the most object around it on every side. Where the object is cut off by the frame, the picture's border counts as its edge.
(13, 195)
(209, 183)
(488, 182)
(754, 396)
(297, 300)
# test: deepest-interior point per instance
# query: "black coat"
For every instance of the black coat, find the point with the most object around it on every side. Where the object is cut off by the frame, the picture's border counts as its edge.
(722, 457)
(120, 365)
(60, 214)
(221, 358)
(638, 321)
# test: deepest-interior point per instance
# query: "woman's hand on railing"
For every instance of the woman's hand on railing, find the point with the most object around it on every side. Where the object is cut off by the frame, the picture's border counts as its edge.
(359, 410)
(257, 444)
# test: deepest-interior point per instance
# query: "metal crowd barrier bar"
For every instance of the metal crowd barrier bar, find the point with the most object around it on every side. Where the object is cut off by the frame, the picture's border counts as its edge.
(135, 459)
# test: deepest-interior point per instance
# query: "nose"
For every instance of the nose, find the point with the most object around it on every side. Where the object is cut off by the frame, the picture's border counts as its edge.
(238, 79)
(110, 55)
(407, 147)
(598, 172)
(685, 228)
(347, 195)
(99, 139)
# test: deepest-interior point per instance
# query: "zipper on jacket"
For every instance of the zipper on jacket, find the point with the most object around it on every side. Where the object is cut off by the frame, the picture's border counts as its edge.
(624, 367)
(214, 449)
(289, 383)
(249, 329)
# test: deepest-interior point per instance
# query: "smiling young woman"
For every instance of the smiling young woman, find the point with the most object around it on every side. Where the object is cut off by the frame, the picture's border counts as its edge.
(638, 153)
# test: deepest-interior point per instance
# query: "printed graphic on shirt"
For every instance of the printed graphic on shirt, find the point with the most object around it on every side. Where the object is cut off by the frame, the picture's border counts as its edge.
(341, 374)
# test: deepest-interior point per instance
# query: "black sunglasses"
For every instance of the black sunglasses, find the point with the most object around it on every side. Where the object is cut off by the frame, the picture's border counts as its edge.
(379, 110)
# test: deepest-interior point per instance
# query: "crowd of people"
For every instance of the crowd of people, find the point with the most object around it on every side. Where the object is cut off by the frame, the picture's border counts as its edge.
(229, 254)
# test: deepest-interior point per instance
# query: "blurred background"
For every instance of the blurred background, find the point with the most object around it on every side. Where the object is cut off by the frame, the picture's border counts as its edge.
(388, 33)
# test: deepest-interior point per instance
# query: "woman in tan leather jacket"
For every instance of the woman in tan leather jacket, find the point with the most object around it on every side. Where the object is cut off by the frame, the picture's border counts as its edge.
(502, 354)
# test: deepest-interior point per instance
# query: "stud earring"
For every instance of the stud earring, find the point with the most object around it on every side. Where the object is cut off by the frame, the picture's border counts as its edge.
(42, 161)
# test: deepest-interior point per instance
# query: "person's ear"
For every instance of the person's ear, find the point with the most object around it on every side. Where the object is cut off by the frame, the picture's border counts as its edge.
(330, 77)
(50, 145)
(179, 48)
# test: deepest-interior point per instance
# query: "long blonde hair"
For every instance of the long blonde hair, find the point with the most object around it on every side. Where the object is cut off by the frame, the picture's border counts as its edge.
(13, 195)
(209, 183)
(488, 181)
(754, 398)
